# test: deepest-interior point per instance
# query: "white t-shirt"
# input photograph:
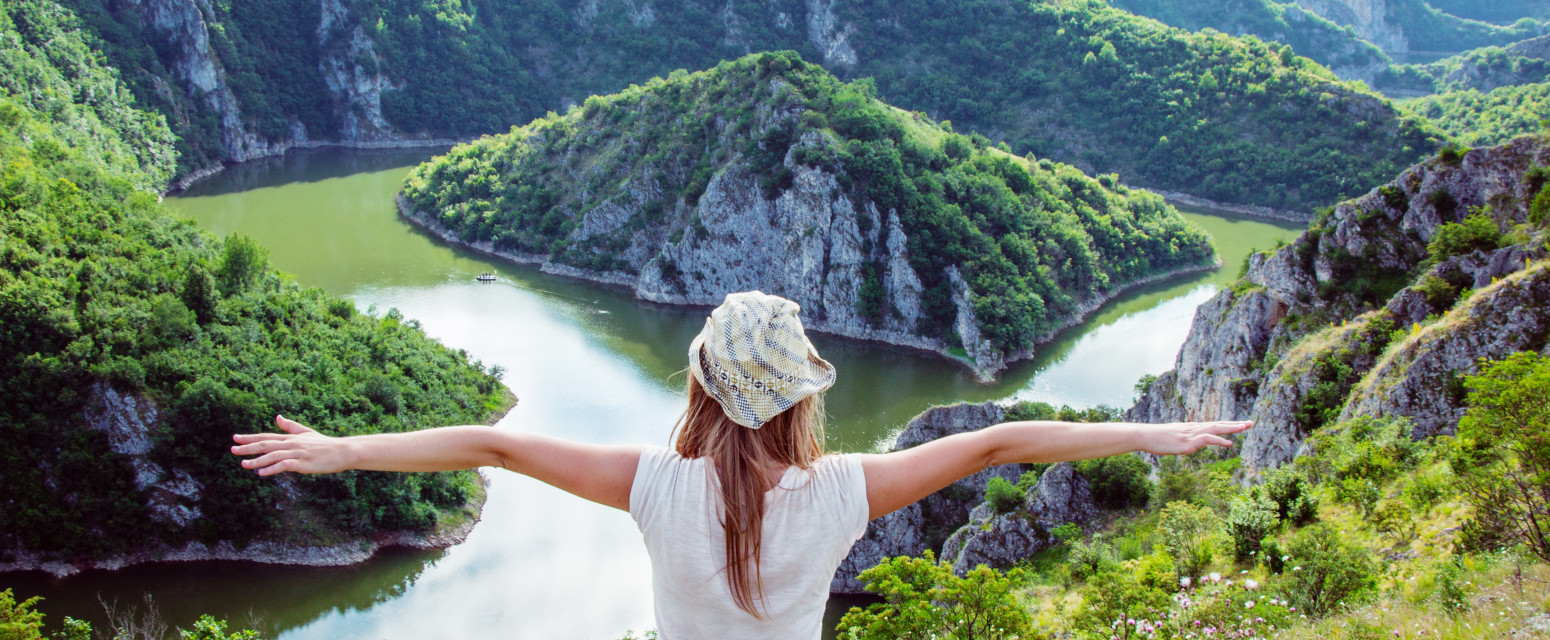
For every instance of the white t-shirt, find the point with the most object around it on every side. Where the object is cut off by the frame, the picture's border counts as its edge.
(810, 521)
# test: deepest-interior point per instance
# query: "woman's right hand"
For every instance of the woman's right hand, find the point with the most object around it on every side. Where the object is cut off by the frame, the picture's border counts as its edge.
(299, 450)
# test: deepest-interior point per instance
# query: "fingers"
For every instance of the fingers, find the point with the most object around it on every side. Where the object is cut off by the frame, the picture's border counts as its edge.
(261, 446)
(246, 438)
(282, 466)
(270, 459)
(290, 426)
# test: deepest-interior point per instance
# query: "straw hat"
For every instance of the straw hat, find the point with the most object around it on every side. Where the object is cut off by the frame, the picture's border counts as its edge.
(754, 359)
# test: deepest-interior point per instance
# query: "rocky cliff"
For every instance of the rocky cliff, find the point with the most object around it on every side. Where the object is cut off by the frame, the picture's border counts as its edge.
(1368, 312)
(213, 112)
(767, 173)
(957, 522)
(1402, 26)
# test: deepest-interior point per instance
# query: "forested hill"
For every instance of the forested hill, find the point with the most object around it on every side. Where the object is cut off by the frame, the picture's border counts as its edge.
(133, 345)
(1074, 80)
(769, 173)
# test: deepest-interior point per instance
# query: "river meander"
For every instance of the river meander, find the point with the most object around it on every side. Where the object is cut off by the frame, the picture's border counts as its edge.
(587, 362)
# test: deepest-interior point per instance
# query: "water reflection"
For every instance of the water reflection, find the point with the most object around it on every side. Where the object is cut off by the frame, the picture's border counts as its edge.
(308, 165)
(270, 598)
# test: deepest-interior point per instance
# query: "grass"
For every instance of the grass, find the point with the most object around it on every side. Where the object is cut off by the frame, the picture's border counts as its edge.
(1499, 604)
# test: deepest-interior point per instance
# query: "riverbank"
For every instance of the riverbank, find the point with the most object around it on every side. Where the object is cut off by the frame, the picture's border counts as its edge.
(348, 552)
(182, 183)
(1177, 198)
(985, 373)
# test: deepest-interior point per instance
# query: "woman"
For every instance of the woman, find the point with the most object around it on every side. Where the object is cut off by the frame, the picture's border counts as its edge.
(745, 519)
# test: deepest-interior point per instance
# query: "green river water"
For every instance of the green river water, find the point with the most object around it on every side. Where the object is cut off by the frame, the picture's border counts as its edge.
(587, 362)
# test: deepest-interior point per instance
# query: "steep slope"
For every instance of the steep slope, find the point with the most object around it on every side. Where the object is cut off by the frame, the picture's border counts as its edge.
(1309, 34)
(46, 66)
(133, 345)
(1403, 26)
(1481, 119)
(235, 84)
(768, 173)
(1485, 70)
(1377, 309)
(1502, 12)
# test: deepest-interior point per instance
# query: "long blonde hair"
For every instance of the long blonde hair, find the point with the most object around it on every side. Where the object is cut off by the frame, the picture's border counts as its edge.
(742, 458)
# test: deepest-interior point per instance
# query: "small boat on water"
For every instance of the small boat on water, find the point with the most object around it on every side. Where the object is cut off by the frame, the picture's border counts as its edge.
(486, 277)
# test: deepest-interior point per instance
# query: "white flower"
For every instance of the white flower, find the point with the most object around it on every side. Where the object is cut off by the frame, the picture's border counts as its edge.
(1215, 576)
(1248, 605)
(1250, 584)
(1184, 582)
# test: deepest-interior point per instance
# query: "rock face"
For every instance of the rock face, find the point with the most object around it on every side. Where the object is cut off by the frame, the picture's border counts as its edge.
(183, 27)
(1000, 541)
(1262, 350)
(1369, 18)
(927, 523)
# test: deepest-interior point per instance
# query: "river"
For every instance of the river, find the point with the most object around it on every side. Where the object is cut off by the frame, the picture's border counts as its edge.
(587, 362)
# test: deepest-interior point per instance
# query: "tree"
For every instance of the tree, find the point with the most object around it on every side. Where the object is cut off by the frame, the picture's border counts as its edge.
(242, 265)
(1502, 454)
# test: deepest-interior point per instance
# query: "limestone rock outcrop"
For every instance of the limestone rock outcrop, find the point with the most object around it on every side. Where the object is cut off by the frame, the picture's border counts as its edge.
(1266, 349)
(1000, 541)
(926, 524)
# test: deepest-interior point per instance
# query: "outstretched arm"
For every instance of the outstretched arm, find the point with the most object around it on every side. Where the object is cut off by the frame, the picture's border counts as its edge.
(894, 480)
(602, 474)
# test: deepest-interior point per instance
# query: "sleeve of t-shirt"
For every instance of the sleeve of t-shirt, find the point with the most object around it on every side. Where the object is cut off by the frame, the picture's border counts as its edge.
(853, 496)
(647, 473)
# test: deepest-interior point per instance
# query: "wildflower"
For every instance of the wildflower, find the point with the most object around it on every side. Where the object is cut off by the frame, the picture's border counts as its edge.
(1250, 584)
(1184, 582)
(1297, 568)
(1215, 576)
(1249, 604)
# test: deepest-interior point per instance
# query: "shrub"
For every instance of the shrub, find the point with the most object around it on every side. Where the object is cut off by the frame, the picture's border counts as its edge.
(1003, 496)
(923, 598)
(1091, 557)
(1117, 482)
(1452, 595)
(1250, 517)
(1327, 574)
(1188, 533)
(1502, 453)
(1478, 232)
(1293, 496)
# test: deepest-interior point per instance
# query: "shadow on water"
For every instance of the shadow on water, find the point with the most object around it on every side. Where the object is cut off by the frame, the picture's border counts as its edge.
(308, 165)
(269, 598)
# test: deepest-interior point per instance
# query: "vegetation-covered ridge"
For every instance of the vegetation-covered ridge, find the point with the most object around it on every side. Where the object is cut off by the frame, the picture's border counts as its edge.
(1231, 119)
(695, 185)
(1479, 119)
(133, 345)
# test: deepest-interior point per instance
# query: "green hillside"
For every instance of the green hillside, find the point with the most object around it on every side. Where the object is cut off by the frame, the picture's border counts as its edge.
(107, 302)
(1481, 119)
(1017, 72)
(1035, 241)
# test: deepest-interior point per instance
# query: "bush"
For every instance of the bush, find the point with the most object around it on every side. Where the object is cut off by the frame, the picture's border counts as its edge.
(1478, 232)
(1293, 496)
(923, 598)
(1189, 533)
(1502, 453)
(1250, 517)
(1003, 496)
(1091, 557)
(1326, 574)
(1117, 482)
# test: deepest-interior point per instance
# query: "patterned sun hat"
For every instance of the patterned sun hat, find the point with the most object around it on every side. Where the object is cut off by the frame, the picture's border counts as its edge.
(753, 358)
